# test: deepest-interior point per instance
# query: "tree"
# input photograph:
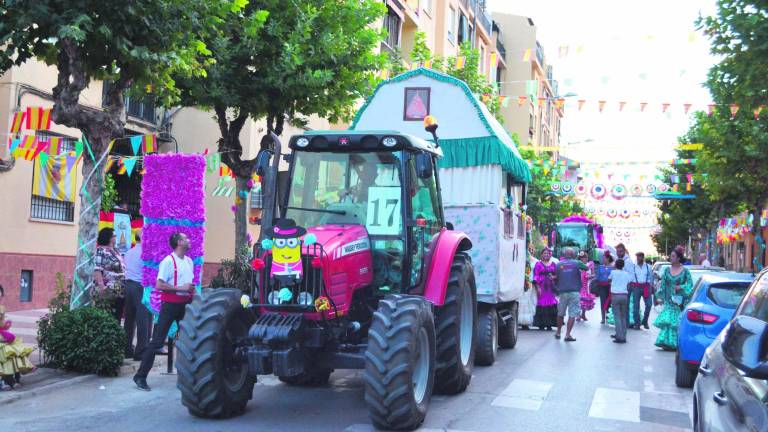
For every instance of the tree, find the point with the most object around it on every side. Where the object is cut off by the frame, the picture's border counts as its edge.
(477, 82)
(736, 145)
(144, 43)
(544, 206)
(284, 61)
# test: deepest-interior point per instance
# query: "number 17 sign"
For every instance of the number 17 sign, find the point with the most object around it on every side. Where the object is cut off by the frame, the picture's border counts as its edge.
(383, 215)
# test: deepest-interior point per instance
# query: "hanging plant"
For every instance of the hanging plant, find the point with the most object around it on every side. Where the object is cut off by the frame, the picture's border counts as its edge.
(109, 196)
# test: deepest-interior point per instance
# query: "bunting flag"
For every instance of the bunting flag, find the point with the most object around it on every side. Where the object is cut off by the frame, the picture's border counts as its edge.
(689, 176)
(621, 106)
(460, 60)
(136, 143)
(686, 107)
(212, 162)
(504, 101)
(18, 121)
(711, 109)
(494, 61)
(521, 100)
(560, 103)
(150, 144)
(643, 105)
(121, 170)
(581, 103)
(694, 146)
(222, 190)
(734, 109)
(225, 171)
(542, 100)
(428, 64)
(13, 143)
(757, 111)
(129, 164)
(54, 146)
(56, 178)
(527, 55)
(108, 164)
(383, 74)
(664, 107)
(600, 105)
(26, 147)
(38, 118)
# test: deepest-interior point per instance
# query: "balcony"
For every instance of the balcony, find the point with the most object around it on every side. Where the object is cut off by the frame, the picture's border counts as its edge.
(141, 107)
(485, 22)
(501, 50)
(469, 5)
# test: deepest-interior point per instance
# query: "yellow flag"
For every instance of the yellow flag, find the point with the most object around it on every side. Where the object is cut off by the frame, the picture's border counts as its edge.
(527, 55)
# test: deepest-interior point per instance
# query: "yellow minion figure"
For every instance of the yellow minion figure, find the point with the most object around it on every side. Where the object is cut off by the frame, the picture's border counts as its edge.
(285, 243)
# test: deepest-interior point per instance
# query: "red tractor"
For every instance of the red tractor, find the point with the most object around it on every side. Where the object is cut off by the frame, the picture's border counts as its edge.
(361, 271)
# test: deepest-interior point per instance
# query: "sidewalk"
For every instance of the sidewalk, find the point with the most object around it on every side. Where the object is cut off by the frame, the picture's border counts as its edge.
(25, 326)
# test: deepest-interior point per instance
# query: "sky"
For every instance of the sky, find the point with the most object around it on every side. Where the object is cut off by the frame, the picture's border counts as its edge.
(621, 50)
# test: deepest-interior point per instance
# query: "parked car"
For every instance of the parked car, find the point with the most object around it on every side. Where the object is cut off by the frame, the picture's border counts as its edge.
(715, 297)
(657, 270)
(730, 391)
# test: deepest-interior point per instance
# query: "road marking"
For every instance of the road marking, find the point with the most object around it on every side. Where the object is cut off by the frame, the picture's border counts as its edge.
(648, 369)
(523, 394)
(615, 404)
(648, 385)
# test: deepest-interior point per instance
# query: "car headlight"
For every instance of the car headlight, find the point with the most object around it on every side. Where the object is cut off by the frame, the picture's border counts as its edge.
(306, 299)
(302, 142)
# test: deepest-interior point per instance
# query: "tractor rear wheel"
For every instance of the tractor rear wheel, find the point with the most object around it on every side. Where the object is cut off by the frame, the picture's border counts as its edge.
(455, 324)
(314, 378)
(508, 329)
(213, 382)
(400, 362)
(487, 336)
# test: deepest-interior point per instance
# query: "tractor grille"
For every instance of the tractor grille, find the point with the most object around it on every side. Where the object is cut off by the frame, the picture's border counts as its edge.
(309, 288)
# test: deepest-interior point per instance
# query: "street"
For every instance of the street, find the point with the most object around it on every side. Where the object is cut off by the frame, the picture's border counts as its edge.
(541, 385)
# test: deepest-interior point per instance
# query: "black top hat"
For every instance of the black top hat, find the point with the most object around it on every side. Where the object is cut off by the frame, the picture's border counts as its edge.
(286, 228)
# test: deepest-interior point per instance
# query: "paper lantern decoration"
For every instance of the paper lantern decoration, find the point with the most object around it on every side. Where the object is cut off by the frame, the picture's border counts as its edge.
(567, 188)
(618, 192)
(636, 212)
(650, 188)
(624, 213)
(612, 213)
(598, 191)
(663, 188)
(626, 234)
(600, 211)
(555, 187)
(636, 190)
(646, 212)
(580, 188)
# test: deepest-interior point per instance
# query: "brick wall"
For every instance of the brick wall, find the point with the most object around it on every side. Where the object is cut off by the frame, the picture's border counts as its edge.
(44, 269)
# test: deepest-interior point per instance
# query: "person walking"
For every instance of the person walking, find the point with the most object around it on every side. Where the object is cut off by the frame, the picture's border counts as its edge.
(108, 274)
(137, 316)
(673, 293)
(620, 300)
(528, 300)
(603, 274)
(703, 260)
(568, 287)
(587, 299)
(640, 288)
(546, 304)
(174, 281)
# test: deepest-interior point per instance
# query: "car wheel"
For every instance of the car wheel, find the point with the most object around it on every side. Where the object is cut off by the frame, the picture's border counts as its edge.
(684, 376)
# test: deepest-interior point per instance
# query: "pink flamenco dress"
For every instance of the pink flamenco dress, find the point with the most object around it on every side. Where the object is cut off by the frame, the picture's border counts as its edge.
(546, 305)
(14, 355)
(587, 298)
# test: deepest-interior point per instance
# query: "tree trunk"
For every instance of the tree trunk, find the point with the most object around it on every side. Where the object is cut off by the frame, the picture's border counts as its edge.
(758, 254)
(241, 217)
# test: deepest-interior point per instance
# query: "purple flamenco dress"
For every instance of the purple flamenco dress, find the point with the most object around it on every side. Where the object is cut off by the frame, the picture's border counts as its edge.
(546, 307)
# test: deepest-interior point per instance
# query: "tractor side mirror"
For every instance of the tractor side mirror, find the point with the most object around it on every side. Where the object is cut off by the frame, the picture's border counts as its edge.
(424, 165)
(262, 161)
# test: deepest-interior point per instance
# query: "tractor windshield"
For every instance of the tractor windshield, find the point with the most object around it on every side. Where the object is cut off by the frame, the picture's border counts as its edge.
(576, 236)
(351, 188)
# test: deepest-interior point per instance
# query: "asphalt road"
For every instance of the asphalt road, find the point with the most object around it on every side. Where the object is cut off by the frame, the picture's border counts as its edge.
(541, 385)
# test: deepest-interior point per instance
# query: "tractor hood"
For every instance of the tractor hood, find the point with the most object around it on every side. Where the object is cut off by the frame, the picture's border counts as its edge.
(341, 240)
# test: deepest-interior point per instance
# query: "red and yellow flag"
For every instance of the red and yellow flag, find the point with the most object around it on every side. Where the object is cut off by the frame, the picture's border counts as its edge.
(54, 146)
(38, 118)
(18, 121)
(560, 103)
(225, 171)
(521, 100)
(149, 144)
(26, 148)
(581, 103)
(601, 105)
(734, 110)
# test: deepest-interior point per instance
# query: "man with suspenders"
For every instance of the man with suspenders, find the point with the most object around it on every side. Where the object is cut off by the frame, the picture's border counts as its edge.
(174, 281)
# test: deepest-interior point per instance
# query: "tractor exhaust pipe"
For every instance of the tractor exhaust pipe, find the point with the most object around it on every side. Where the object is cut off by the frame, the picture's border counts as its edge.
(269, 183)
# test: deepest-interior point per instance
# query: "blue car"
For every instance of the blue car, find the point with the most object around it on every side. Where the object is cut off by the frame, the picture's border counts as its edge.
(715, 297)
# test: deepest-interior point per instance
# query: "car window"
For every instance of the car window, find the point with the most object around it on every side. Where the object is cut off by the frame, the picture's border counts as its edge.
(754, 303)
(727, 295)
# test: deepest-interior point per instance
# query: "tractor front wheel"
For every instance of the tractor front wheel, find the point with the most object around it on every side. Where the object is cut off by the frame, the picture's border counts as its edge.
(455, 326)
(400, 362)
(487, 336)
(214, 383)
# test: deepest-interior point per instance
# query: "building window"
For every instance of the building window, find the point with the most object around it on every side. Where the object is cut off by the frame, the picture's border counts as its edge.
(392, 26)
(25, 286)
(452, 24)
(48, 208)
(463, 29)
(141, 107)
(416, 105)
(482, 59)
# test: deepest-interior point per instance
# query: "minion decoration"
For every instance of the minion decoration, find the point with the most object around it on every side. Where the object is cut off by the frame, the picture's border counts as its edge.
(284, 239)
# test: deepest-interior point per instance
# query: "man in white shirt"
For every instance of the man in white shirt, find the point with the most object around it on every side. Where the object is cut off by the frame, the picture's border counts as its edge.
(641, 277)
(703, 260)
(174, 281)
(620, 300)
(137, 316)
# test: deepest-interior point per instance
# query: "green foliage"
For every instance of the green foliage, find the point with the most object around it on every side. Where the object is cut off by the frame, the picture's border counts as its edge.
(86, 340)
(235, 273)
(544, 206)
(476, 81)
(109, 196)
(60, 301)
(146, 42)
(395, 63)
(420, 52)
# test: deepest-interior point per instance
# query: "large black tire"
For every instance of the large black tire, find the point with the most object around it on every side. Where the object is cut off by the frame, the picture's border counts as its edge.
(684, 376)
(316, 378)
(487, 336)
(508, 329)
(212, 384)
(398, 377)
(456, 347)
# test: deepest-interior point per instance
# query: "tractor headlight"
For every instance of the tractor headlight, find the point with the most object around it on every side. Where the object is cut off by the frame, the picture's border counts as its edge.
(273, 298)
(302, 142)
(306, 299)
(389, 141)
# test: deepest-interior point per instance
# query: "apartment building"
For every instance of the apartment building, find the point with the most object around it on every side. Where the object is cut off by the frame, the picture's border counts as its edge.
(537, 119)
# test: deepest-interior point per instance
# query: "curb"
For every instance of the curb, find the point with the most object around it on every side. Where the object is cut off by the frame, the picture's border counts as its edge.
(13, 397)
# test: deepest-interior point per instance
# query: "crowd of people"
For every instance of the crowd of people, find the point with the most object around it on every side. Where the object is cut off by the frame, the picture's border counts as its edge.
(569, 287)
